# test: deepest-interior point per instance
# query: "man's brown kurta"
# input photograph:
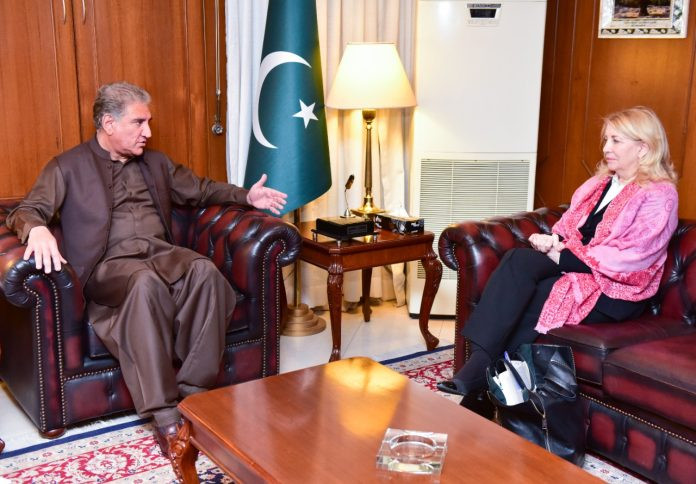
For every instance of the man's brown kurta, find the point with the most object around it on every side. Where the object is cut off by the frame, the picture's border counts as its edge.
(149, 301)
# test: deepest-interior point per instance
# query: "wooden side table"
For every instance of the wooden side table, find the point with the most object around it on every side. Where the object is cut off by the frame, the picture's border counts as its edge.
(364, 253)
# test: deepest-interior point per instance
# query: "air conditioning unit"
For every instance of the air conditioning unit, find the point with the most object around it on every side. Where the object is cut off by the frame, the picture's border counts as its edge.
(478, 84)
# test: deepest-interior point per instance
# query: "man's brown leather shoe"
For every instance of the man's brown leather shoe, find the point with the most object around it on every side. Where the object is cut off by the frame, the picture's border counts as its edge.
(165, 435)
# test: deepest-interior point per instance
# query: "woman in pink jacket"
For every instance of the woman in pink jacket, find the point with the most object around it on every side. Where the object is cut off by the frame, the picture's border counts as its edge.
(603, 260)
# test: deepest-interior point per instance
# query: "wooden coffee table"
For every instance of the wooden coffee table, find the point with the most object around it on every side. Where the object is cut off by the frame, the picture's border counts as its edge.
(325, 424)
(364, 253)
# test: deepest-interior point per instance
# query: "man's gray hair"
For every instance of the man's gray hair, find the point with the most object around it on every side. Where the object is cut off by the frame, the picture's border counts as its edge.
(114, 98)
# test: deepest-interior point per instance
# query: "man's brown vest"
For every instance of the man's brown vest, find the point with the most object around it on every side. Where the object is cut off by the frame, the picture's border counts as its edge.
(86, 211)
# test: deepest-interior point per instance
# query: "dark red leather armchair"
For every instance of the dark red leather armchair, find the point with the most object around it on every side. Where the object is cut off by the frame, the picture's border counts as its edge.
(57, 368)
(638, 377)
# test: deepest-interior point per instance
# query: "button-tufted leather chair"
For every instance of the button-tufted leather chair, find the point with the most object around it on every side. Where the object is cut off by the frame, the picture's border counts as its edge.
(57, 368)
(638, 377)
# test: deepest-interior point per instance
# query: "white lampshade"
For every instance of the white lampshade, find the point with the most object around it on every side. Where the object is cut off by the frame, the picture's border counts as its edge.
(370, 76)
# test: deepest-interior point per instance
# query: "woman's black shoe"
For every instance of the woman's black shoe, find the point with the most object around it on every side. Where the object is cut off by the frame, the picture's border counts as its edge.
(450, 386)
(479, 402)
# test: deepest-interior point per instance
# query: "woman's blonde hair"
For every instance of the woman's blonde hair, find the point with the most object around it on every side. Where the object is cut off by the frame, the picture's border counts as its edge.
(642, 124)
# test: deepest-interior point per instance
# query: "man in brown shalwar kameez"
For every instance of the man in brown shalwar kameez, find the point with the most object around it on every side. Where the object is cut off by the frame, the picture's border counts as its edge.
(149, 301)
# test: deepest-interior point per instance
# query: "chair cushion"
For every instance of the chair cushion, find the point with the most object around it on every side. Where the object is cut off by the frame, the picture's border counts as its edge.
(237, 332)
(96, 348)
(593, 343)
(658, 376)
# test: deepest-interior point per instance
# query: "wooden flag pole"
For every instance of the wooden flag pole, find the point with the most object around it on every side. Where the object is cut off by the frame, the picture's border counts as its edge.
(301, 319)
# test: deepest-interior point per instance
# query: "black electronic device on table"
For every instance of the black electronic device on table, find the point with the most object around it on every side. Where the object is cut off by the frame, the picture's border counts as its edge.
(344, 228)
(400, 225)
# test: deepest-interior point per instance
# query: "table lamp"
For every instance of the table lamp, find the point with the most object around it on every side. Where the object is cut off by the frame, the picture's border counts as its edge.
(370, 76)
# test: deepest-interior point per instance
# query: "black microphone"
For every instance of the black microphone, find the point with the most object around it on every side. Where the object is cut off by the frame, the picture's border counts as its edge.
(349, 183)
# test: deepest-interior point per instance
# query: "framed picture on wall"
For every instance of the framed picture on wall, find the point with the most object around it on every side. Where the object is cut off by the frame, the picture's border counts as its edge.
(643, 18)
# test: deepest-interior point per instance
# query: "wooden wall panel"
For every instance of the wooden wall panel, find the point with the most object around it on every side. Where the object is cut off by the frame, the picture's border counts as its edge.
(217, 144)
(549, 157)
(160, 46)
(145, 46)
(38, 91)
(687, 198)
(585, 78)
(55, 53)
(580, 70)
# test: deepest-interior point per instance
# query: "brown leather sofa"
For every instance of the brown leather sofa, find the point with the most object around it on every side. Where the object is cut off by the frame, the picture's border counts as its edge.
(638, 377)
(55, 365)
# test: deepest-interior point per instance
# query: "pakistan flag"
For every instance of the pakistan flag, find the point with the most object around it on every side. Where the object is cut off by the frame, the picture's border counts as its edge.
(288, 141)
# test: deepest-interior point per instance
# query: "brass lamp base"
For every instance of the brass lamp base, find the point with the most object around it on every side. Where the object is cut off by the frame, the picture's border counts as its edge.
(368, 208)
(302, 322)
(366, 211)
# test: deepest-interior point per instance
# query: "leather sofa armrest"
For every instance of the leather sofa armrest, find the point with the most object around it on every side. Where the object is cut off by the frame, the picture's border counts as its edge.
(237, 237)
(18, 276)
(55, 299)
(250, 248)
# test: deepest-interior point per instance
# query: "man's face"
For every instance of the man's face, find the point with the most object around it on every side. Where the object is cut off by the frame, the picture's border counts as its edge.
(129, 134)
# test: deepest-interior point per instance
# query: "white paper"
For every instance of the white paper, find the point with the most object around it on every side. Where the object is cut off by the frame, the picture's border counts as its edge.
(508, 383)
(511, 390)
(523, 371)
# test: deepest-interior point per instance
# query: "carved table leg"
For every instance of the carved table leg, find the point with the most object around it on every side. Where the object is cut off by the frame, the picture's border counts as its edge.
(335, 294)
(366, 280)
(183, 455)
(433, 274)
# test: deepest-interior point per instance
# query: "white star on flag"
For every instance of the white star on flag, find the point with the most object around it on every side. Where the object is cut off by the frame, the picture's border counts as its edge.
(306, 113)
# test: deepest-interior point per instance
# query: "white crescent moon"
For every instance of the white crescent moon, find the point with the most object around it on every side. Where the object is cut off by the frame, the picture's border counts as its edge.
(269, 62)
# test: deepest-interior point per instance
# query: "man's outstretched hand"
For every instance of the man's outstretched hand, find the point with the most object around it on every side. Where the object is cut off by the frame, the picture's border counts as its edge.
(43, 245)
(263, 197)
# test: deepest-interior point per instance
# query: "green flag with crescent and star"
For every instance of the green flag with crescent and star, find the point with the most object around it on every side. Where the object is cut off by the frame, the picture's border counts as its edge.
(288, 140)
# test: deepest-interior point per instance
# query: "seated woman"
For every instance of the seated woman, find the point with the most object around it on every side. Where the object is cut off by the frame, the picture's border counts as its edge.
(603, 260)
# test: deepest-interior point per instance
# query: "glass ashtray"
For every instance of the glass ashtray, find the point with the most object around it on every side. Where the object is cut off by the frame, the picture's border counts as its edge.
(412, 451)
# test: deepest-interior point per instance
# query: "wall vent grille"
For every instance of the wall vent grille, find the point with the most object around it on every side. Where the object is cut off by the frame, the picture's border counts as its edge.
(456, 190)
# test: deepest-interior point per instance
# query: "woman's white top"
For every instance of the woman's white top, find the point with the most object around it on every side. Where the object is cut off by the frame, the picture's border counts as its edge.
(614, 189)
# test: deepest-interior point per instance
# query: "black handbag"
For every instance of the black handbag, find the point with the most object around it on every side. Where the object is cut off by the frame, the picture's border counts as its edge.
(550, 414)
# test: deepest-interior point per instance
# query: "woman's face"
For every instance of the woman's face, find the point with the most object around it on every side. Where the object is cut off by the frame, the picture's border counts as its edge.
(622, 154)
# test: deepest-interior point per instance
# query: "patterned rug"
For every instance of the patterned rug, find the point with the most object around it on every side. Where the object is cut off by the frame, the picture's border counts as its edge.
(128, 453)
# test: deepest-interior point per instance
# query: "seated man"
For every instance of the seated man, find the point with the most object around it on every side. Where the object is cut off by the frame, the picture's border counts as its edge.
(149, 301)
